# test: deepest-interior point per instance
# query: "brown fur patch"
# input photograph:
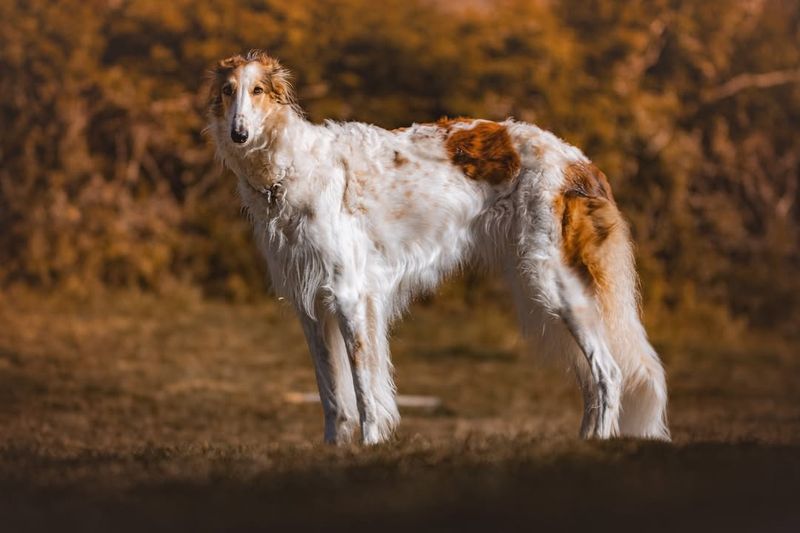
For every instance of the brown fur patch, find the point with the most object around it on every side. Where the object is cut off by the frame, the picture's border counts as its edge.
(399, 160)
(219, 76)
(354, 183)
(448, 123)
(484, 152)
(587, 180)
(589, 217)
(357, 355)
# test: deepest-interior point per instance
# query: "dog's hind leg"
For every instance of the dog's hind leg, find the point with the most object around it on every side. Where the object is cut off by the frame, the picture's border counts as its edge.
(334, 380)
(549, 338)
(569, 324)
(363, 325)
(598, 373)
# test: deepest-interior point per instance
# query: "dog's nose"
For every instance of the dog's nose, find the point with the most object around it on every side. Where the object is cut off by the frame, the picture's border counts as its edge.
(238, 136)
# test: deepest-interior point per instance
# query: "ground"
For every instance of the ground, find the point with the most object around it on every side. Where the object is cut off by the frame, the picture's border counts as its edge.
(130, 412)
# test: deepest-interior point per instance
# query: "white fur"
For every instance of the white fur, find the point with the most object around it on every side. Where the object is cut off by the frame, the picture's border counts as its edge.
(350, 237)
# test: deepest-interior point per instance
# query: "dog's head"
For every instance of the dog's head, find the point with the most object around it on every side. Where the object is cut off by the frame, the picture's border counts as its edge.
(245, 91)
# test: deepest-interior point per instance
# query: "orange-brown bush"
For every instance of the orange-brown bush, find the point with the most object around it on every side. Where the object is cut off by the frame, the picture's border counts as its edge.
(105, 176)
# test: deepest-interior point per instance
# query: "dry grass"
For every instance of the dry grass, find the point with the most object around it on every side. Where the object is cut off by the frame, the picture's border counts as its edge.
(131, 412)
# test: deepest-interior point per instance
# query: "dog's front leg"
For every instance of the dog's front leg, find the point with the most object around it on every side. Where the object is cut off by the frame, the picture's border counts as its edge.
(363, 328)
(333, 376)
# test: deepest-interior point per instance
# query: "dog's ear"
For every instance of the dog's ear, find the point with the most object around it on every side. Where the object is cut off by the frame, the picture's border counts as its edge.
(280, 81)
(228, 64)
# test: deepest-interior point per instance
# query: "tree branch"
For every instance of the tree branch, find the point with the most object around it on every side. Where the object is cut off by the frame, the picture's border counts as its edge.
(751, 81)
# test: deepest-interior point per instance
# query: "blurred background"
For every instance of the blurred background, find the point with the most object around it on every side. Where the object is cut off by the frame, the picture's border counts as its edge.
(139, 343)
(690, 107)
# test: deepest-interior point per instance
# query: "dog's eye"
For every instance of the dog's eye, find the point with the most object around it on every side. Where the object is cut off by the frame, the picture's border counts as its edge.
(227, 90)
(258, 90)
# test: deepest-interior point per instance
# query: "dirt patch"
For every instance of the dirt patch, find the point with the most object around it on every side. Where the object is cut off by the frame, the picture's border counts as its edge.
(130, 412)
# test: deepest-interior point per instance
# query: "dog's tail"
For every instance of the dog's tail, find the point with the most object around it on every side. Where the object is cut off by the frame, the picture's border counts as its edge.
(644, 397)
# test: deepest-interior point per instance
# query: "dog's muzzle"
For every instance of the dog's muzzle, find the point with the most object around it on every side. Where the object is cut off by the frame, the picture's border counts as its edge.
(239, 131)
(238, 136)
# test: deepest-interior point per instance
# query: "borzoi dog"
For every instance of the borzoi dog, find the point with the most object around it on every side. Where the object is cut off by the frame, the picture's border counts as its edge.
(354, 220)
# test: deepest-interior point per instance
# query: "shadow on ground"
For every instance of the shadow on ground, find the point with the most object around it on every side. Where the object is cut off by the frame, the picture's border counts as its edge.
(495, 485)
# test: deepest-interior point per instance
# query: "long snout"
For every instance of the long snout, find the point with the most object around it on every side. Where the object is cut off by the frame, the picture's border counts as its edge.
(239, 131)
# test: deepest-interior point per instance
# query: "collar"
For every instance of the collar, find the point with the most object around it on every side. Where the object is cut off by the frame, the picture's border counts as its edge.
(274, 193)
